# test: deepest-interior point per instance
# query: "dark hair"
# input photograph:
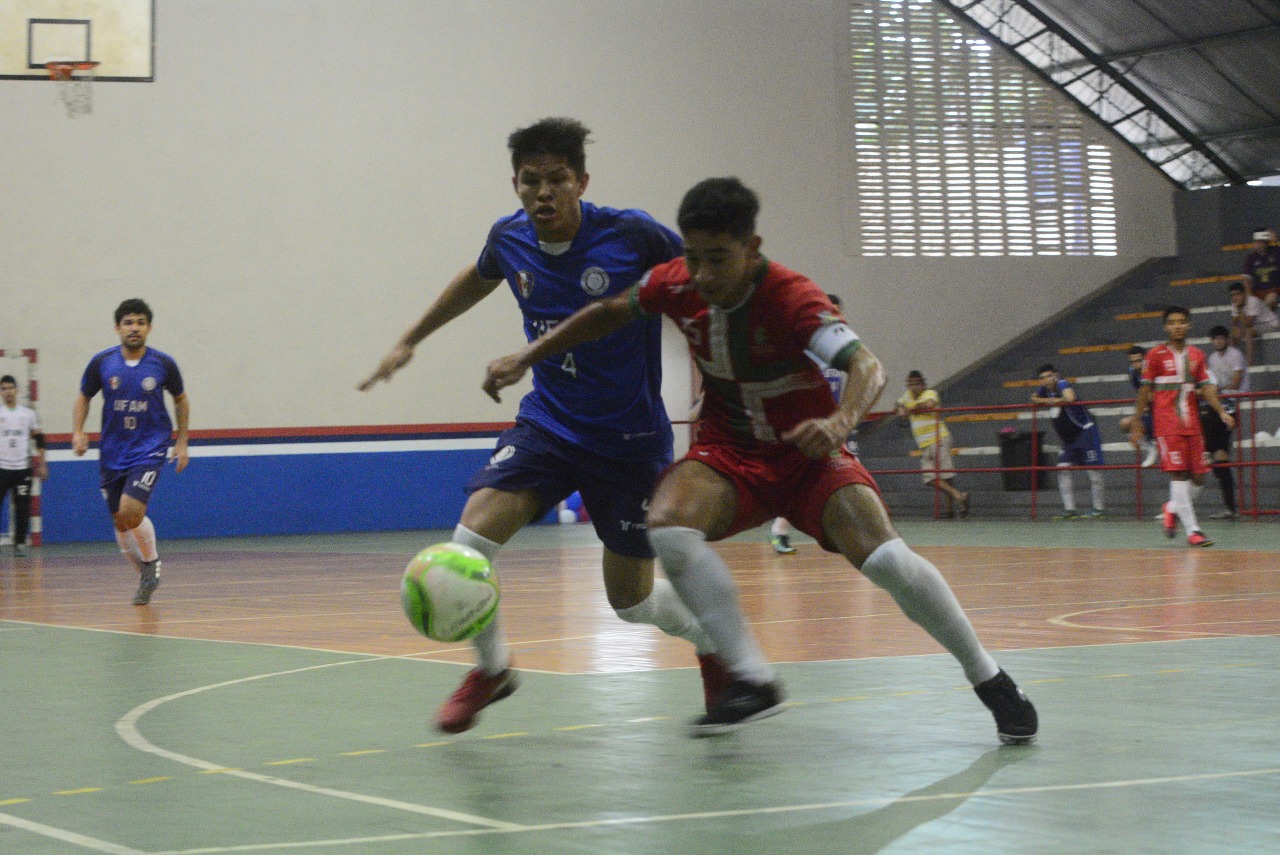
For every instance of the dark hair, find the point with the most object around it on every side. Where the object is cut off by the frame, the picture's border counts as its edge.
(133, 306)
(915, 375)
(1138, 349)
(1176, 310)
(8, 378)
(1048, 366)
(1218, 330)
(565, 138)
(835, 301)
(1235, 286)
(719, 206)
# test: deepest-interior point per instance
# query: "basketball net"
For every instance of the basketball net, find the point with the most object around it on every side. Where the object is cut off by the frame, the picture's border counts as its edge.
(75, 85)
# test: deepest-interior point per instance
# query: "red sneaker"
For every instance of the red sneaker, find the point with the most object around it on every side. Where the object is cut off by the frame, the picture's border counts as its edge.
(477, 691)
(715, 678)
(1170, 520)
(1197, 538)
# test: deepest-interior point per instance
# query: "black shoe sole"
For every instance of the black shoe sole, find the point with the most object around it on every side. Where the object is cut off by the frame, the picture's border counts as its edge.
(698, 729)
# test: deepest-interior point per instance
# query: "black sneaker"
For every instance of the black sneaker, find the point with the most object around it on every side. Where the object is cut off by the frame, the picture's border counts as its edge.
(741, 702)
(1016, 720)
(149, 582)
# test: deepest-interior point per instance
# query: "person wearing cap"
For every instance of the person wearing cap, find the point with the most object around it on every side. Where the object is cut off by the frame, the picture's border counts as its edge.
(1262, 266)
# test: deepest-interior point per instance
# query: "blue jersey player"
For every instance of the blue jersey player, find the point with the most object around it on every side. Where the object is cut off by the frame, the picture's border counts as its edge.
(594, 421)
(136, 433)
(1081, 441)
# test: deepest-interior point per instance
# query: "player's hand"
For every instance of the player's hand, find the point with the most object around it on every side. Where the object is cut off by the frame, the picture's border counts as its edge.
(40, 468)
(398, 357)
(1228, 420)
(1137, 434)
(818, 438)
(180, 457)
(501, 373)
(79, 443)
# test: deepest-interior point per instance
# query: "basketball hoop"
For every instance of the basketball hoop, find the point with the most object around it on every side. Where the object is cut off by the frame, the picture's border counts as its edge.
(75, 85)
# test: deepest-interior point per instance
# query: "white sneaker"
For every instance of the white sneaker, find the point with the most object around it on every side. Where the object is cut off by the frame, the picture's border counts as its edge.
(1153, 454)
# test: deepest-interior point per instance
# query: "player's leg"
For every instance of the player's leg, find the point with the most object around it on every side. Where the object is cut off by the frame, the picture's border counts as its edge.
(1217, 441)
(127, 498)
(694, 502)
(780, 536)
(489, 519)
(21, 509)
(1093, 456)
(1066, 488)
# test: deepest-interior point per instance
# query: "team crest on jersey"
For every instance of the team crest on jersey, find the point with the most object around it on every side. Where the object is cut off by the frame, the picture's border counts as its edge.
(524, 283)
(114, 382)
(504, 453)
(149, 384)
(595, 281)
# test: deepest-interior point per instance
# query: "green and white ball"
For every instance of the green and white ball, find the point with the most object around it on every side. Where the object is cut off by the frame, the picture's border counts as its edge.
(449, 592)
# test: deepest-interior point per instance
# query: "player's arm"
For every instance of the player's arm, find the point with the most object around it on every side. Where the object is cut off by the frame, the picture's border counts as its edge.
(1140, 406)
(1209, 392)
(463, 291)
(865, 382)
(182, 413)
(39, 467)
(79, 412)
(589, 323)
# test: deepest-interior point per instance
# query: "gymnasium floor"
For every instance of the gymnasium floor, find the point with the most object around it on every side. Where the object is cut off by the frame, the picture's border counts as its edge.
(273, 699)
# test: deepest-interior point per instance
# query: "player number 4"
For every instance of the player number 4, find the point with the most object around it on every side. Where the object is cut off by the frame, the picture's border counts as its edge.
(569, 365)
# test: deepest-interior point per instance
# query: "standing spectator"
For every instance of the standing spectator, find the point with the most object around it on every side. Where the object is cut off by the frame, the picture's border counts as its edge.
(19, 429)
(1249, 318)
(1136, 354)
(1174, 376)
(1262, 266)
(1229, 373)
(780, 530)
(136, 434)
(920, 404)
(1081, 441)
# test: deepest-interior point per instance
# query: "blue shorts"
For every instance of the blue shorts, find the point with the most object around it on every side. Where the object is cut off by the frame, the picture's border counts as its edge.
(137, 482)
(1085, 449)
(615, 492)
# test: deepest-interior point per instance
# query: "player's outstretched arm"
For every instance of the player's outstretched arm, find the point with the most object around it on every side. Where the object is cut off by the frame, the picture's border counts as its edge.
(1209, 392)
(587, 324)
(817, 438)
(463, 291)
(182, 410)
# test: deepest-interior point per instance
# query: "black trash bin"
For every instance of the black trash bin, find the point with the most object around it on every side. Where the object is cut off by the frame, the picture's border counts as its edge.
(1021, 448)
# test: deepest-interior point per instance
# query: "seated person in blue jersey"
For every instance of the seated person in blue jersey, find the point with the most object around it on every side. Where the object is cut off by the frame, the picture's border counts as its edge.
(594, 421)
(136, 433)
(1136, 354)
(1081, 441)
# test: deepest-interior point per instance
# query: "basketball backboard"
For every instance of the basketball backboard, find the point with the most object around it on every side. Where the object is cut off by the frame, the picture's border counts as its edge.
(118, 34)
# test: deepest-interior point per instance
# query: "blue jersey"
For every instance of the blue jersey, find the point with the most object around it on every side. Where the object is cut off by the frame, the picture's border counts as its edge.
(1070, 419)
(604, 396)
(136, 430)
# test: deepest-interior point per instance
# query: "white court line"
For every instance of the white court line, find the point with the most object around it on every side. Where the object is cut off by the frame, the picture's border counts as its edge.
(68, 836)
(127, 729)
(721, 814)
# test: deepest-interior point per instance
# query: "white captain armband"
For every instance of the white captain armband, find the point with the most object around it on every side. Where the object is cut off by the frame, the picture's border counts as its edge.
(830, 340)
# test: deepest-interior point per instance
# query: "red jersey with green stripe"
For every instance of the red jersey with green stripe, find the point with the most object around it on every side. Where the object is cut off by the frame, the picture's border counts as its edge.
(1174, 379)
(758, 379)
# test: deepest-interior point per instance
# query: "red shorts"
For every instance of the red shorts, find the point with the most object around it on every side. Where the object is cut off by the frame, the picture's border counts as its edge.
(1182, 452)
(786, 484)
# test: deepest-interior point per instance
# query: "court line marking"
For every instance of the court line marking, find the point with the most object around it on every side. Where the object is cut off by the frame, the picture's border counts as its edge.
(81, 840)
(127, 729)
(740, 812)
(1065, 620)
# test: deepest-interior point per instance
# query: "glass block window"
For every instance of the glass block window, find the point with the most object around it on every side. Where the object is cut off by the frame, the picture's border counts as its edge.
(960, 151)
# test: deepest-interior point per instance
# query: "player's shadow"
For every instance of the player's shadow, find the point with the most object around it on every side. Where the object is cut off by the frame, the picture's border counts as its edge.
(873, 831)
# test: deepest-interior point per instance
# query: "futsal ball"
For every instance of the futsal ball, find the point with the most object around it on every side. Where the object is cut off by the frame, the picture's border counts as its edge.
(449, 592)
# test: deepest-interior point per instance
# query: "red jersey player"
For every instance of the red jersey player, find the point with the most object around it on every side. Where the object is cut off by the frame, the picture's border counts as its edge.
(1174, 377)
(770, 443)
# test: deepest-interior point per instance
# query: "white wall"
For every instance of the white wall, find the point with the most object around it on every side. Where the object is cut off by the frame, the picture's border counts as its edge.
(303, 176)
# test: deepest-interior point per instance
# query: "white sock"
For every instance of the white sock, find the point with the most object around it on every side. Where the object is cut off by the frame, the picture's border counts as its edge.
(780, 527)
(1066, 489)
(1097, 490)
(663, 609)
(924, 596)
(129, 547)
(491, 644)
(145, 535)
(702, 580)
(1180, 496)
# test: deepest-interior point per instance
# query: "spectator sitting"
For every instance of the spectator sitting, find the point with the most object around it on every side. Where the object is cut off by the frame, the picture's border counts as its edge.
(1262, 265)
(1249, 317)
